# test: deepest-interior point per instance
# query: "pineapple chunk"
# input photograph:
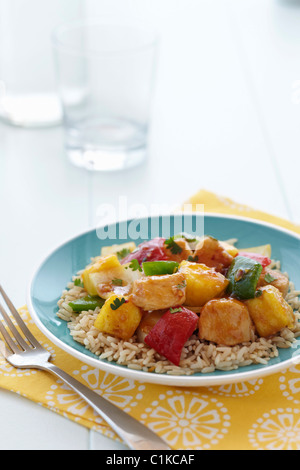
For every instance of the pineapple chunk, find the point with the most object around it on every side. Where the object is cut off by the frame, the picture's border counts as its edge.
(114, 249)
(270, 312)
(264, 250)
(102, 272)
(121, 322)
(232, 250)
(202, 283)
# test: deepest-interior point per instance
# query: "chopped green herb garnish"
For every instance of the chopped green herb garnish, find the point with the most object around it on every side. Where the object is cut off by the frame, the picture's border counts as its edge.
(117, 303)
(173, 246)
(182, 285)
(258, 293)
(175, 310)
(269, 278)
(193, 259)
(134, 265)
(122, 253)
(117, 282)
(78, 282)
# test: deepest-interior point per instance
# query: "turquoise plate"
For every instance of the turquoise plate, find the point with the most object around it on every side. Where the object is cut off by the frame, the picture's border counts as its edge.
(57, 269)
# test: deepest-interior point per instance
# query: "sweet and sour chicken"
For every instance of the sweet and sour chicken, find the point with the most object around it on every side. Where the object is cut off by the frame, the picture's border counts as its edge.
(166, 290)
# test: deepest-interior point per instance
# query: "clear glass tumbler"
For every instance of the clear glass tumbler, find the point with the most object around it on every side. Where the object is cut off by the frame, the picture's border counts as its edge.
(28, 95)
(105, 73)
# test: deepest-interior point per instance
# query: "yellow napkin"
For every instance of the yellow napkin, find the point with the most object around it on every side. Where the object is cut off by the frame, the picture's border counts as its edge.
(261, 414)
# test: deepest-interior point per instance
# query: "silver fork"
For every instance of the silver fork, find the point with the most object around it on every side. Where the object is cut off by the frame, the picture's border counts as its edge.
(25, 352)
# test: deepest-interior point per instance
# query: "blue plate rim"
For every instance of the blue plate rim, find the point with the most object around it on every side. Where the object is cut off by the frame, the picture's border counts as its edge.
(204, 380)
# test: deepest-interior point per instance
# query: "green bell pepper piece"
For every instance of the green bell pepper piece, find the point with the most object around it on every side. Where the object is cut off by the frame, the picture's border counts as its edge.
(243, 276)
(86, 303)
(157, 268)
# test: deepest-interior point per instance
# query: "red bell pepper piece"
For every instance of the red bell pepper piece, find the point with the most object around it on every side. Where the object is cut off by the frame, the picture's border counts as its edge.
(152, 250)
(263, 260)
(171, 332)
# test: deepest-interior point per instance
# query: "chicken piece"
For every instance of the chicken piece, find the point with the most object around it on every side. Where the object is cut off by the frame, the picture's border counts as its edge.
(210, 252)
(159, 292)
(179, 251)
(281, 282)
(149, 320)
(105, 290)
(202, 283)
(225, 321)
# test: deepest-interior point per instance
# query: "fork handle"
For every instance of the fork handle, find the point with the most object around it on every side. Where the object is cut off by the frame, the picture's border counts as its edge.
(134, 434)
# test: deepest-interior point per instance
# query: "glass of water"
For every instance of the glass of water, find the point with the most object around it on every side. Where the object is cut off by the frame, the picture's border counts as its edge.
(105, 72)
(28, 96)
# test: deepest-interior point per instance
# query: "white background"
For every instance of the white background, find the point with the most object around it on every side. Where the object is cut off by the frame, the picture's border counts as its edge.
(226, 118)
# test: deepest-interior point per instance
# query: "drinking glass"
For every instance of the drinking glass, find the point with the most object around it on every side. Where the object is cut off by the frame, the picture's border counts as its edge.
(28, 95)
(105, 75)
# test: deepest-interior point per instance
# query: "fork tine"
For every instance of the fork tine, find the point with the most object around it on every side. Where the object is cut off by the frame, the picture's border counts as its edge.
(13, 329)
(19, 321)
(8, 339)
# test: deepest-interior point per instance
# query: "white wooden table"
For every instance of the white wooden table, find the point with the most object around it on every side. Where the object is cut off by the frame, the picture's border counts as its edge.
(226, 110)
